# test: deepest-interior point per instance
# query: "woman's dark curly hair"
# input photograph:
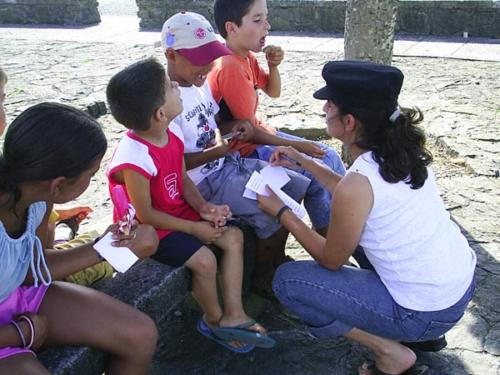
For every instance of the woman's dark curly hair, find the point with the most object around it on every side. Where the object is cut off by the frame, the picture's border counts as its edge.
(398, 147)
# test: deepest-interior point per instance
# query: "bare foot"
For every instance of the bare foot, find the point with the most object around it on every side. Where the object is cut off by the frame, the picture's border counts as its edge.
(227, 321)
(216, 323)
(395, 359)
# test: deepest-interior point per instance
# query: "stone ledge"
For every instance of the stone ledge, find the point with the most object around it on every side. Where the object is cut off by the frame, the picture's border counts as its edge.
(453, 18)
(153, 288)
(51, 12)
(157, 290)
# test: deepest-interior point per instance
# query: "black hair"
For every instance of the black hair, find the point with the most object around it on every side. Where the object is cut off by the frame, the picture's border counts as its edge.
(136, 92)
(398, 147)
(46, 141)
(230, 11)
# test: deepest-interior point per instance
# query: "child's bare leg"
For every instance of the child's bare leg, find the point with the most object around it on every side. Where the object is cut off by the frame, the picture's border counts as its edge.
(231, 244)
(22, 364)
(203, 265)
(81, 316)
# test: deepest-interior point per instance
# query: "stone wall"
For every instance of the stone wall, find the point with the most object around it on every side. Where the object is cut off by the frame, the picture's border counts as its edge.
(56, 12)
(477, 18)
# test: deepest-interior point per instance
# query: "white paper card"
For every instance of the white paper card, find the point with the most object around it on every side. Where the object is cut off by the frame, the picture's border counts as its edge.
(275, 176)
(250, 194)
(257, 184)
(297, 209)
(120, 258)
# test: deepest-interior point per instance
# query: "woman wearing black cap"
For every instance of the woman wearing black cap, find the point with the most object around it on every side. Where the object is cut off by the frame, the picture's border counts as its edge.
(417, 269)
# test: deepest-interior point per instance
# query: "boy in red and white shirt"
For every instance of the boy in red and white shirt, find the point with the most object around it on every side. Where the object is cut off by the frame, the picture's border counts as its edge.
(149, 163)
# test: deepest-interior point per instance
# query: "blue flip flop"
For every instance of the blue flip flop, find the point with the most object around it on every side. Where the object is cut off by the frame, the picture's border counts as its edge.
(206, 331)
(243, 333)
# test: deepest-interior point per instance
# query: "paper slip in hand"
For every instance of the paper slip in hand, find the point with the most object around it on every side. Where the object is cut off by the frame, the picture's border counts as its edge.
(120, 258)
(250, 194)
(274, 176)
(296, 208)
(256, 184)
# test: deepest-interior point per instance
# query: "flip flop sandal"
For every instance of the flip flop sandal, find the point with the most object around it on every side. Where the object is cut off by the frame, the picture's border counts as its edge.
(413, 370)
(206, 331)
(243, 333)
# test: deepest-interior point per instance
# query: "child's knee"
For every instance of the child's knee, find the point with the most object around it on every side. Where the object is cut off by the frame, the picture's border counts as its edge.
(234, 239)
(203, 262)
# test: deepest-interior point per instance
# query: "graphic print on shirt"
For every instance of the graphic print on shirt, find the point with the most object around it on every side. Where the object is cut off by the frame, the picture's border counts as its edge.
(206, 138)
(171, 185)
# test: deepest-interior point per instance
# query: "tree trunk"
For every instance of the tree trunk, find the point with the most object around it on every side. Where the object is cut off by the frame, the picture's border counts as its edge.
(369, 30)
(369, 35)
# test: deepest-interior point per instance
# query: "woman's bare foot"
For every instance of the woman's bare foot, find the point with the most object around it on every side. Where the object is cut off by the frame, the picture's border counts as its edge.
(393, 359)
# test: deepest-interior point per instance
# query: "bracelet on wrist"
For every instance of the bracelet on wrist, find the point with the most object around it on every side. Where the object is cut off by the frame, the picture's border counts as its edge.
(28, 320)
(20, 333)
(280, 213)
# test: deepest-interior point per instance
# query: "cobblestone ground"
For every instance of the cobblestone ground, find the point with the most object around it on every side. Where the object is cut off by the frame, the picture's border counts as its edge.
(461, 102)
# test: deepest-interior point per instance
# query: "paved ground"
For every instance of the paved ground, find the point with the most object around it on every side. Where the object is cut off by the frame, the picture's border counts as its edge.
(461, 101)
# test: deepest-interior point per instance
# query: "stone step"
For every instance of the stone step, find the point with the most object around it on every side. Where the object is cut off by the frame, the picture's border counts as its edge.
(153, 288)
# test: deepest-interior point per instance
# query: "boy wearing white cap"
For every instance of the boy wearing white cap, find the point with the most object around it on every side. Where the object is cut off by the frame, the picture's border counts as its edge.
(191, 46)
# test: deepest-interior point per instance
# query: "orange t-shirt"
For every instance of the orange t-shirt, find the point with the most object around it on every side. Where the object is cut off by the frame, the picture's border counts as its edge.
(234, 81)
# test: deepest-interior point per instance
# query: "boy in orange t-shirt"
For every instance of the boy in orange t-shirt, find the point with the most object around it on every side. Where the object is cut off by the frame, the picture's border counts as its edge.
(234, 82)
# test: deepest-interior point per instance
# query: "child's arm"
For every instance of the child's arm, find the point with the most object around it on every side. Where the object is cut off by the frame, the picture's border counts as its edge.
(307, 147)
(64, 263)
(216, 214)
(290, 158)
(138, 190)
(195, 159)
(10, 336)
(274, 57)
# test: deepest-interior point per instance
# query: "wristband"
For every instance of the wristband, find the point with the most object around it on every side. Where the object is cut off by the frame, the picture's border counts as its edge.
(280, 212)
(20, 332)
(32, 329)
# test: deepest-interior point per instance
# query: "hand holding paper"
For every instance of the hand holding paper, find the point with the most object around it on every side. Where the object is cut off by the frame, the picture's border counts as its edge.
(120, 258)
(124, 209)
(275, 178)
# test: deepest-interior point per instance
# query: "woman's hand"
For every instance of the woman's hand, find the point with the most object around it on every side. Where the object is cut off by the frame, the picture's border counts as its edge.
(309, 148)
(216, 214)
(40, 324)
(271, 203)
(206, 232)
(142, 240)
(288, 157)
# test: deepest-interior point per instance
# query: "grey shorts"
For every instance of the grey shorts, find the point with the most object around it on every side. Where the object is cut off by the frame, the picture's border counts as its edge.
(226, 186)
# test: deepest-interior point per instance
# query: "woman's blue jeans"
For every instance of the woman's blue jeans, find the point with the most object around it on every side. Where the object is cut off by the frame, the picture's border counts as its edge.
(331, 303)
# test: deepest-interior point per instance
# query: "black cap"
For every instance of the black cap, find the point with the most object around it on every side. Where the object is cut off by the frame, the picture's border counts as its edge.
(361, 84)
